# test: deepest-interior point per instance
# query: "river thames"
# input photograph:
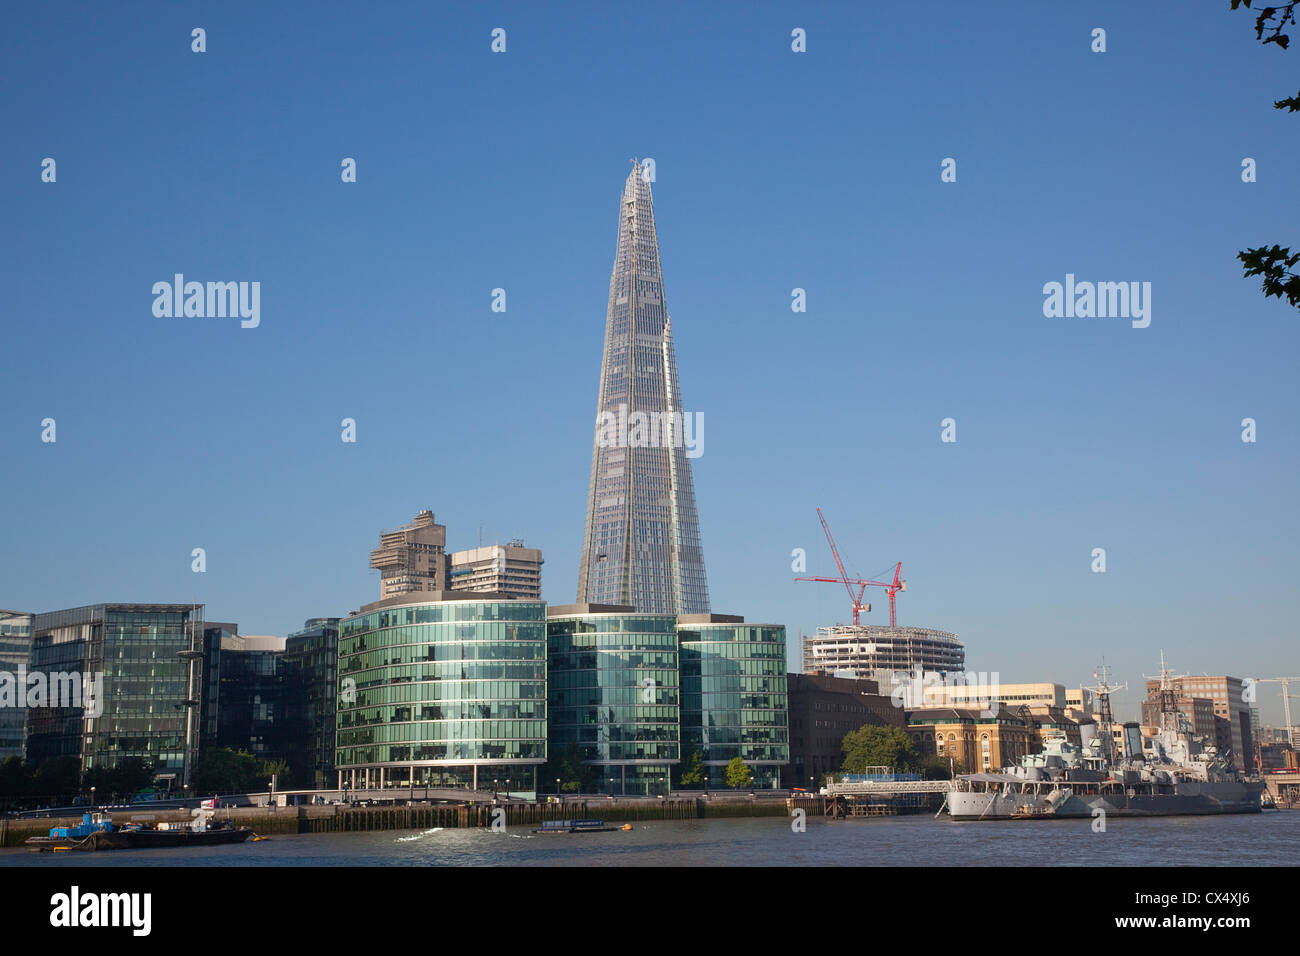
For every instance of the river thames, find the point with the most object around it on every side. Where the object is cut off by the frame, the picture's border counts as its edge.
(1264, 839)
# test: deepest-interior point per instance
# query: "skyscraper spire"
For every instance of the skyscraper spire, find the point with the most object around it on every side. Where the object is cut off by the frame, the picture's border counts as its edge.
(641, 545)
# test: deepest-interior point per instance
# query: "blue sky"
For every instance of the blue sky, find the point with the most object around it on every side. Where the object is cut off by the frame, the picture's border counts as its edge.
(774, 170)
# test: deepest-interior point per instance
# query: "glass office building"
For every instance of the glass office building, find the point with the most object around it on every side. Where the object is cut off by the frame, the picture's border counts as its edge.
(442, 689)
(248, 697)
(313, 658)
(734, 700)
(147, 702)
(615, 695)
(15, 656)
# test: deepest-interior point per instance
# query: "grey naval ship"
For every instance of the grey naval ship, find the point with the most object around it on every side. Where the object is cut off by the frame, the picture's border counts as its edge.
(1173, 773)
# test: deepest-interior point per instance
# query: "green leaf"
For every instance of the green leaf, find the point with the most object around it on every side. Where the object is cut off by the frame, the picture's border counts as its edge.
(1291, 104)
(1272, 264)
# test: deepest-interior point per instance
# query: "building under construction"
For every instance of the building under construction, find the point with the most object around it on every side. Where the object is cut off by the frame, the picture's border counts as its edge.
(877, 652)
(873, 651)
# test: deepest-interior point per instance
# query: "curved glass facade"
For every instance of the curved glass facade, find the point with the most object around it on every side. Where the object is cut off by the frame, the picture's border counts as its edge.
(734, 699)
(446, 693)
(615, 697)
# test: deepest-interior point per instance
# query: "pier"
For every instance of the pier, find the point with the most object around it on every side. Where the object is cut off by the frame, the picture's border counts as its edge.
(1284, 788)
(880, 798)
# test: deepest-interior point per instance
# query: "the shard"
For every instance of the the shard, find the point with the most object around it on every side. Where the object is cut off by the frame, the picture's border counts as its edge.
(641, 546)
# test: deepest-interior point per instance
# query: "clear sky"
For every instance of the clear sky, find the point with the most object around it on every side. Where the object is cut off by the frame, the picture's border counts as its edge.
(774, 170)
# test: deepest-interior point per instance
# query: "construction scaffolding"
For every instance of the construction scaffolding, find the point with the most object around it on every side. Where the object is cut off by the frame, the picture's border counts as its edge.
(878, 652)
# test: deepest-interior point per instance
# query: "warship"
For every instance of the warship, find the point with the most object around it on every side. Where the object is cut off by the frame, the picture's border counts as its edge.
(1173, 773)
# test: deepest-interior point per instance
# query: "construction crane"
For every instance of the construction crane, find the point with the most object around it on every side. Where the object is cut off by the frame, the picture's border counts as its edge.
(1286, 701)
(892, 587)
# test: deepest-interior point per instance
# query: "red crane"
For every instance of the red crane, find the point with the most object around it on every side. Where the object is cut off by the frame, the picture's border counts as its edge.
(892, 587)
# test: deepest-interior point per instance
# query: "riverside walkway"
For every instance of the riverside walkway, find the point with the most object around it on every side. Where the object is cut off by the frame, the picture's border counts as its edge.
(395, 794)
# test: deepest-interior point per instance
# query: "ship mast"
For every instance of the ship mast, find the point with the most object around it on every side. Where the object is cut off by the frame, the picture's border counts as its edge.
(1103, 690)
(1171, 718)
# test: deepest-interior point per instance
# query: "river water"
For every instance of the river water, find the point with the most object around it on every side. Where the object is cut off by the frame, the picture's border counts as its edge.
(1264, 839)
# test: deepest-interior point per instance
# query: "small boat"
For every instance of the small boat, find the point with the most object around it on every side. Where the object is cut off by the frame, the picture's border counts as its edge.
(577, 826)
(1028, 812)
(97, 832)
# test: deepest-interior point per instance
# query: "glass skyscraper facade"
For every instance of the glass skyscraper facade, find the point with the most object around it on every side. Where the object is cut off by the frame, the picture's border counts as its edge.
(313, 658)
(615, 695)
(248, 698)
(448, 692)
(734, 697)
(139, 650)
(15, 655)
(641, 545)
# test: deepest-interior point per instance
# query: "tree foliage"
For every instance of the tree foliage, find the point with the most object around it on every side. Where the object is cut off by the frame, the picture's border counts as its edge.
(875, 746)
(1274, 264)
(935, 767)
(565, 763)
(278, 769)
(1274, 19)
(229, 771)
(129, 777)
(690, 772)
(60, 780)
(738, 774)
(16, 779)
(60, 776)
